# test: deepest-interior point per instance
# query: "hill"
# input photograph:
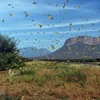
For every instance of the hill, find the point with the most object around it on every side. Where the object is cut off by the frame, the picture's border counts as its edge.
(80, 47)
(33, 52)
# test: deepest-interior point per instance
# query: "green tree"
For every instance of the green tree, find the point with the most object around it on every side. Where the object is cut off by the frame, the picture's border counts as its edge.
(9, 53)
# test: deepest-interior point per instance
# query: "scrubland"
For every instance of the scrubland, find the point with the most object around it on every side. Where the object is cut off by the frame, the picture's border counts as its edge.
(47, 80)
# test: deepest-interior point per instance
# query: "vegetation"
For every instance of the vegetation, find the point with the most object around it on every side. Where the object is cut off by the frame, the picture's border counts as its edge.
(8, 53)
(8, 98)
(47, 80)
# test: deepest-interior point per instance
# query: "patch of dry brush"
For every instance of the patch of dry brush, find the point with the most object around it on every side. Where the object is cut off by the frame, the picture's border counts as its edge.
(41, 81)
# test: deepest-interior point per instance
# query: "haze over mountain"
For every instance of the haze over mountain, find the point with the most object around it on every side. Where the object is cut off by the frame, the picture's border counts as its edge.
(29, 52)
(77, 48)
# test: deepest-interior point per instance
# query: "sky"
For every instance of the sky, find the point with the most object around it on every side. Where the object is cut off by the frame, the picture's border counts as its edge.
(48, 23)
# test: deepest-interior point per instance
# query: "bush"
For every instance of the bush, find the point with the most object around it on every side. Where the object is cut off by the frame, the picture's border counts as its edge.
(7, 44)
(8, 53)
(7, 97)
(29, 72)
(73, 75)
(76, 76)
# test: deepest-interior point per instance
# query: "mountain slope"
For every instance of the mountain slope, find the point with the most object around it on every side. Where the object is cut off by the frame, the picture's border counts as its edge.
(83, 39)
(76, 51)
(77, 48)
(30, 52)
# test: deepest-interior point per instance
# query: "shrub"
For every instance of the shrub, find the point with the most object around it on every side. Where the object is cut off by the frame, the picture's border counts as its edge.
(40, 80)
(73, 75)
(7, 44)
(8, 53)
(29, 72)
(7, 97)
(76, 76)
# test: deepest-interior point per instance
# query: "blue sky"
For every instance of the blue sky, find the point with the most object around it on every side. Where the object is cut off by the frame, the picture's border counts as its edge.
(73, 18)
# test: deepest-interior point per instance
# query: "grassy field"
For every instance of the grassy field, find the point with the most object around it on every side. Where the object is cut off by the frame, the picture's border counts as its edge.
(44, 80)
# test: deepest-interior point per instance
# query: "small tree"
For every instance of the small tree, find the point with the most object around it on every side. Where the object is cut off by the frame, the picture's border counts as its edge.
(7, 44)
(9, 53)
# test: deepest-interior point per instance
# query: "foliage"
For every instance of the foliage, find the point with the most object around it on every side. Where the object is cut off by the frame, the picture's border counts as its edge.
(7, 44)
(29, 72)
(73, 75)
(7, 97)
(8, 53)
(76, 76)
(39, 81)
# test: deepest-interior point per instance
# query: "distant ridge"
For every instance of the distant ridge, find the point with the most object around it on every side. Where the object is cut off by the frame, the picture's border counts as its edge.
(79, 47)
(83, 39)
(30, 52)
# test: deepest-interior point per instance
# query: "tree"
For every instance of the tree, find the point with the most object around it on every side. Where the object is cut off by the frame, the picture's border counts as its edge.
(9, 53)
(7, 44)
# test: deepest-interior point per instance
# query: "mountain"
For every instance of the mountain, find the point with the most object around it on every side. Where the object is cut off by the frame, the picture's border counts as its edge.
(77, 48)
(30, 52)
(83, 39)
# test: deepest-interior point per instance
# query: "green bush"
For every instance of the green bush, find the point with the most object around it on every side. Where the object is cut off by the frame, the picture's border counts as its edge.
(40, 80)
(7, 97)
(29, 72)
(73, 75)
(10, 61)
(9, 53)
(76, 76)
(7, 44)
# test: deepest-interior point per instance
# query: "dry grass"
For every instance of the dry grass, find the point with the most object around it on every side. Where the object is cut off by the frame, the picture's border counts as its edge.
(41, 81)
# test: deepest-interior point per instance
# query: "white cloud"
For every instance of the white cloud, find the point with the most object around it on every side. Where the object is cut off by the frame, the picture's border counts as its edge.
(41, 41)
(26, 25)
(20, 6)
(51, 33)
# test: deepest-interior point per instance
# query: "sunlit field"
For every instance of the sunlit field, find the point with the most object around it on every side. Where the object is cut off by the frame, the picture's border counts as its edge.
(49, 49)
(47, 80)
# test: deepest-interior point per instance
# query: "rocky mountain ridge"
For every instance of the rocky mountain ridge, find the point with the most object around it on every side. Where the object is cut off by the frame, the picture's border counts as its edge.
(81, 47)
(83, 39)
